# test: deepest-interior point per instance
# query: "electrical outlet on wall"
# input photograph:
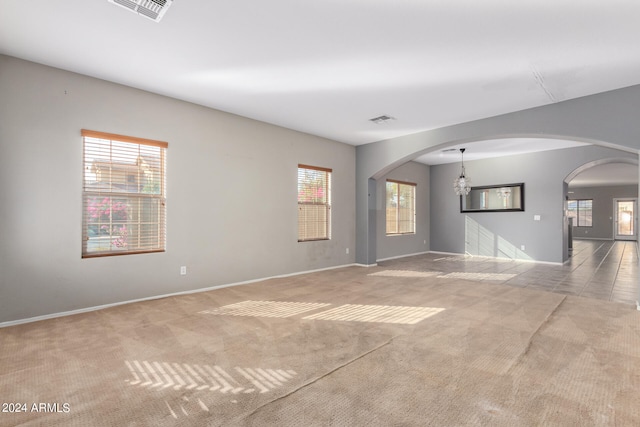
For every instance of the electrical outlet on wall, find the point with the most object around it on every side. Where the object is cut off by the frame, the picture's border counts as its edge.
(183, 270)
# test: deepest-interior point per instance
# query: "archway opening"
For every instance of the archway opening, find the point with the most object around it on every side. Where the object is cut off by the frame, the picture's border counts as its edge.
(601, 200)
(500, 167)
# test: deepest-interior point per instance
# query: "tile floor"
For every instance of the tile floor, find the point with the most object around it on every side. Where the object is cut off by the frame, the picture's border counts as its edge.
(601, 269)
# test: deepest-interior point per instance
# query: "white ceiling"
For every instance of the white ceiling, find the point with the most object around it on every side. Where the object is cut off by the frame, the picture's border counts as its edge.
(479, 150)
(606, 175)
(596, 176)
(327, 67)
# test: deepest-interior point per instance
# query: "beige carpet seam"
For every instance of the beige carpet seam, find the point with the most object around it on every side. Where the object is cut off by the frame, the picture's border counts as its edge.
(308, 383)
(542, 324)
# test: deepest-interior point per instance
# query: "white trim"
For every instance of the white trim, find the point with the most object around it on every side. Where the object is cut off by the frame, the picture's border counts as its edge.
(402, 256)
(445, 253)
(366, 265)
(592, 238)
(536, 261)
(496, 257)
(193, 291)
(475, 256)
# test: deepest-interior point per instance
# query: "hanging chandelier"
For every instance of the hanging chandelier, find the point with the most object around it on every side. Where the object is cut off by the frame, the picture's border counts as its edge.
(462, 184)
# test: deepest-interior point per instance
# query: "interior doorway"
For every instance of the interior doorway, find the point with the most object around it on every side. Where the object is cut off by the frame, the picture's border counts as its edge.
(625, 219)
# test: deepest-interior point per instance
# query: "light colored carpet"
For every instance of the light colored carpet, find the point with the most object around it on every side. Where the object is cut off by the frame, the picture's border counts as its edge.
(396, 345)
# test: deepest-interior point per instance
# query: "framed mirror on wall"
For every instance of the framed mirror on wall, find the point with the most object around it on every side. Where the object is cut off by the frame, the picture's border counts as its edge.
(494, 198)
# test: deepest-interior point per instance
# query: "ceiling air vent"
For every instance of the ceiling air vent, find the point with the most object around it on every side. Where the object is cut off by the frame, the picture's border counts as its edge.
(152, 9)
(381, 119)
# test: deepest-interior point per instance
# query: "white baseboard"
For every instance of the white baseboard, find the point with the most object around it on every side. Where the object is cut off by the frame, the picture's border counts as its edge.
(475, 256)
(402, 256)
(533, 261)
(592, 238)
(193, 291)
(495, 257)
(446, 253)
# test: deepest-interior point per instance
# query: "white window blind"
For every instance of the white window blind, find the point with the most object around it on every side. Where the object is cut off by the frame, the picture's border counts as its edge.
(124, 195)
(314, 203)
(401, 207)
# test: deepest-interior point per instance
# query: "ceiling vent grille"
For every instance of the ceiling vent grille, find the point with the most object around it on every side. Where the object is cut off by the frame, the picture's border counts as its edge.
(382, 119)
(152, 9)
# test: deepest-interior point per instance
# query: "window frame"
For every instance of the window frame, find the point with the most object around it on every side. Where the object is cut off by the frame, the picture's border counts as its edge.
(577, 212)
(303, 205)
(114, 196)
(413, 208)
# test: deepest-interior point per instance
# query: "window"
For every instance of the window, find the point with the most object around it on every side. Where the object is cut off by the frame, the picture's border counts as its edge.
(401, 207)
(581, 211)
(314, 203)
(123, 197)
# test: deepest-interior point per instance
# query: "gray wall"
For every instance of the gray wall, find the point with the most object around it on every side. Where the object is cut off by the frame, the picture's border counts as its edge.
(406, 244)
(607, 118)
(603, 209)
(503, 233)
(231, 194)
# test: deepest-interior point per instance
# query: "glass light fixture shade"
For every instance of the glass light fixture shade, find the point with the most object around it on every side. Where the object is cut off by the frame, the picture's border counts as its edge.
(462, 185)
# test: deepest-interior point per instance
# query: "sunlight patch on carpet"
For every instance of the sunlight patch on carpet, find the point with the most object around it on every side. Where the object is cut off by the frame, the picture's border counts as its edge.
(184, 376)
(187, 407)
(377, 313)
(265, 309)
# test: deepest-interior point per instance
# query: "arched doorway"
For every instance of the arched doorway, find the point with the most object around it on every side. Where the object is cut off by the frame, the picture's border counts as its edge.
(536, 234)
(602, 199)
